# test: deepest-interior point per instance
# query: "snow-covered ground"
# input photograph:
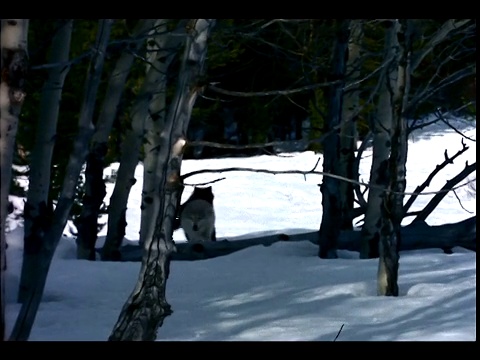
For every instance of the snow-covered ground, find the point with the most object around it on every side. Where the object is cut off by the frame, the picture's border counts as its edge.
(282, 292)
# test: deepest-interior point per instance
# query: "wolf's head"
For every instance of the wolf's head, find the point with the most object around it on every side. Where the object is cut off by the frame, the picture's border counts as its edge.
(199, 193)
(198, 221)
(202, 193)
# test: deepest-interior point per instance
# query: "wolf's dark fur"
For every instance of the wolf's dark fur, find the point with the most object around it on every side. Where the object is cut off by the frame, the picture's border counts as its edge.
(196, 215)
(199, 193)
(198, 221)
(204, 193)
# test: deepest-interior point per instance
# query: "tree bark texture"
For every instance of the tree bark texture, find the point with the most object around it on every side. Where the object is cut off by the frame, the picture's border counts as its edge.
(14, 67)
(94, 185)
(147, 307)
(330, 187)
(95, 191)
(130, 157)
(28, 310)
(382, 129)
(38, 209)
(167, 45)
(390, 234)
(348, 128)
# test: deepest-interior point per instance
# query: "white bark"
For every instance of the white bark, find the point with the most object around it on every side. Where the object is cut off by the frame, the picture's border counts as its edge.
(166, 48)
(37, 206)
(382, 128)
(39, 183)
(147, 307)
(392, 205)
(116, 85)
(130, 157)
(94, 186)
(385, 207)
(14, 62)
(28, 311)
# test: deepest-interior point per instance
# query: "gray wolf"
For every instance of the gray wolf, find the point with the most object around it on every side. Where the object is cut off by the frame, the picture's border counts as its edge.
(197, 216)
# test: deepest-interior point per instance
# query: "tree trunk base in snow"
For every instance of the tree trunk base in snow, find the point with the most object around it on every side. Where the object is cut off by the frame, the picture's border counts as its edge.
(414, 237)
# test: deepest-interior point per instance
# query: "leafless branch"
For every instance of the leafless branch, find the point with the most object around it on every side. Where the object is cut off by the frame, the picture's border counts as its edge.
(213, 87)
(260, 145)
(416, 124)
(460, 202)
(115, 43)
(449, 186)
(272, 92)
(74, 61)
(440, 116)
(283, 21)
(360, 198)
(438, 37)
(426, 183)
(412, 213)
(267, 24)
(414, 127)
(216, 145)
(339, 331)
(234, 147)
(314, 172)
(206, 183)
(429, 90)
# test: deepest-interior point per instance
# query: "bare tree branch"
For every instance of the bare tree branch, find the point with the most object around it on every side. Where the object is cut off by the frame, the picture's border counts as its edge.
(438, 37)
(213, 87)
(422, 125)
(449, 186)
(313, 172)
(205, 183)
(272, 92)
(437, 169)
(144, 35)
(417, 124)
(440, 116)
(360, 198)
(339, 331)
(460, 202)
(430, 90)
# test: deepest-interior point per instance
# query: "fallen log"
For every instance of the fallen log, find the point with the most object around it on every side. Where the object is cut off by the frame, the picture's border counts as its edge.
(414, 237)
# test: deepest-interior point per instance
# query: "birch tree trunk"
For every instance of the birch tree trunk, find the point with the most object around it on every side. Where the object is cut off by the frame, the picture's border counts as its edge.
(28, 311)
(348, 127)
(14, 66)
(166, 47)
(384, 223)
(147, 307)
(130, 158)
(94, 185)
(38, 211)
(382, 132)
(382, 128)
(390, 234)
(330, 187)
